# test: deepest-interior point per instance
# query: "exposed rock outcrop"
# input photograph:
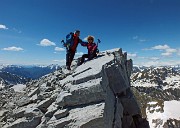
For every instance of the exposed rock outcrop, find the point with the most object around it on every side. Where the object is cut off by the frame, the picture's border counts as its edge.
(96, 94)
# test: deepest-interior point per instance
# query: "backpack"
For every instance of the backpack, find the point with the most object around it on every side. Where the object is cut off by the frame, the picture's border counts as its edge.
(69, 39)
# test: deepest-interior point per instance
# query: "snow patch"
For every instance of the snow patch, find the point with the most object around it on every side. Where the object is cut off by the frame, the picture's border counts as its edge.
(19, 87)
(171, 111)
(152, 103)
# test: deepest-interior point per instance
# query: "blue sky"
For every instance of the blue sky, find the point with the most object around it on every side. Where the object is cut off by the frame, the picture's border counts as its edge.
(31, 30)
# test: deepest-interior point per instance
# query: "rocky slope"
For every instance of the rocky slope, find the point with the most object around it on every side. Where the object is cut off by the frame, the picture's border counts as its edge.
(157, 88)
(2, 83)
(96, 94)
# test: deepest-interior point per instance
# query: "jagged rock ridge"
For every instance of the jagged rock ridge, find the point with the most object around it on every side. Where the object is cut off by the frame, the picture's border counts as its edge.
(96, 94)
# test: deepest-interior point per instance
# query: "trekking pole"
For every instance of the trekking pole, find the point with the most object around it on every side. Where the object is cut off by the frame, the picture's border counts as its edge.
(99, 41)
(64, 44)
(62, 41)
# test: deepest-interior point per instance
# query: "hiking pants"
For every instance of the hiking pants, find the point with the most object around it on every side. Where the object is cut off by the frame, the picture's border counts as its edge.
(89, 56)
(69, 57)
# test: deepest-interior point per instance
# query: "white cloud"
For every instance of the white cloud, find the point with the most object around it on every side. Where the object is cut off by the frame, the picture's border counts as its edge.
(131, 55)
(142, 40)
(160, 47)
(13, 48)
(79, 53)
(162, 60)
(166, 54)
(159, 63)
(135, 37)
(16, 30)
(171, 50)
(139, 39)
(46, 42)
(142, 57)
(178, 52)
(167, 50)
(59, 49)
(85, 39)
(3, 26)
(60, 61)
(148, 58)
(154, 58)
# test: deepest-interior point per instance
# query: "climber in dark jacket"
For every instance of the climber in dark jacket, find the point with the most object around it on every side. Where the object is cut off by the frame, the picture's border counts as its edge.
(72, 41)
(91, 46)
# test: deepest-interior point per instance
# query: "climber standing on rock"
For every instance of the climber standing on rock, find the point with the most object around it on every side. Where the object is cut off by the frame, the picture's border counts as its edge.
(72, 41)
(92, 49)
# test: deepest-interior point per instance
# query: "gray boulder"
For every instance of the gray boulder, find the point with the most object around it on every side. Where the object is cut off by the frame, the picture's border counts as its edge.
(84, 93)
(81, 117)
(25, 123)
(61, 113)
(33, 92)
(23, 101)
(43, 105)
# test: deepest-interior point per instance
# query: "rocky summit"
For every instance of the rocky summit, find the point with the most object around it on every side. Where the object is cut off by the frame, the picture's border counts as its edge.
(96, 94)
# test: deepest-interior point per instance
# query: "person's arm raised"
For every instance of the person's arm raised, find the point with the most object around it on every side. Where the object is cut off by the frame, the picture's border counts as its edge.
(83, 43)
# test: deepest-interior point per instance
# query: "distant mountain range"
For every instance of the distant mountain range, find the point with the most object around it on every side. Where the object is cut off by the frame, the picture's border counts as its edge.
(20, 74)
(9, 78)
(15, 74)
(162, 77)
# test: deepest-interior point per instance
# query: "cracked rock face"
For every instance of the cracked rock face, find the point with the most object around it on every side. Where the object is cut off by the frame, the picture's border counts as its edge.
(95, 94)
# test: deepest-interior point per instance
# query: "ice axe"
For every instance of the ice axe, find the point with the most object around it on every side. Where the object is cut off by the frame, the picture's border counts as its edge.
(98, 41)
(65, 45)
(62, 41)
